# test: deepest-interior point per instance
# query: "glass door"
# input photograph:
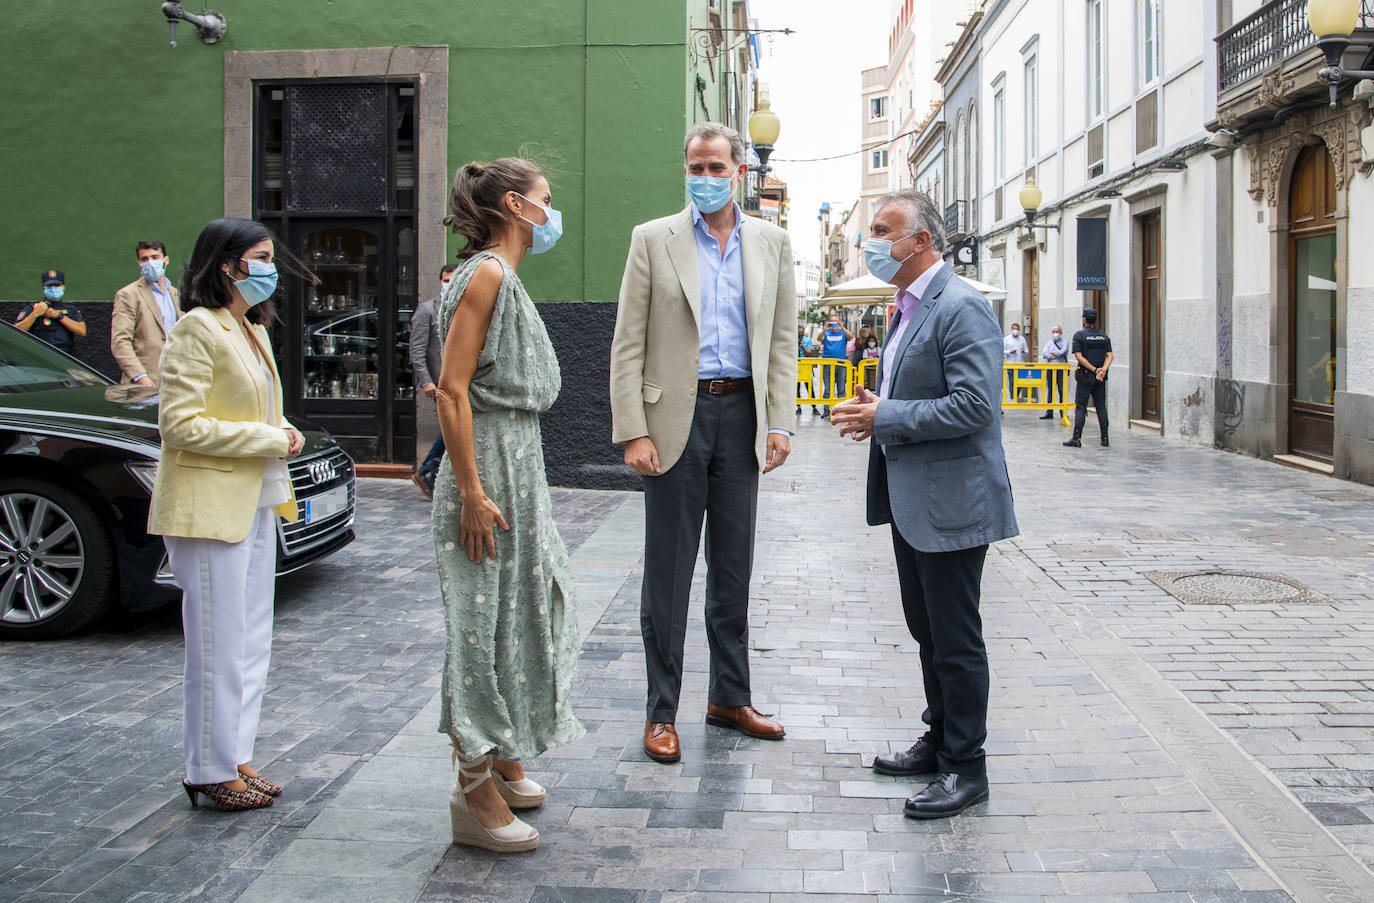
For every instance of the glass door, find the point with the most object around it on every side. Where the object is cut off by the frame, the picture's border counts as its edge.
(1311, 415)
(344, 333)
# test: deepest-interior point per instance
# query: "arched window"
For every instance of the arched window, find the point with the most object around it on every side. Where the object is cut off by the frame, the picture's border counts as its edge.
(956, 164)
(970, 169)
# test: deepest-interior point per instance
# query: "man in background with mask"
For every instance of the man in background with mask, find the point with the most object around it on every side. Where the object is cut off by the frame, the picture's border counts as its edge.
(53, 320)
(1015, 351)
(426, 358)
(703, 367)
(938, 475)
(144, 312)
(1056, 351)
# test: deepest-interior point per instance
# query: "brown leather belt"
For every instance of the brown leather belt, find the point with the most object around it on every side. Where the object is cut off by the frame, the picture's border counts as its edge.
(722, 386)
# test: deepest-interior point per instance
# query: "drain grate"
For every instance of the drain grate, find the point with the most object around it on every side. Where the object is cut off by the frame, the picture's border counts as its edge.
(1217, 587)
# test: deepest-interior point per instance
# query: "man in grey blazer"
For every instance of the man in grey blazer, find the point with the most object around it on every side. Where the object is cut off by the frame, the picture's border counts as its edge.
(703, 365)
(938, 475)
(425, 364)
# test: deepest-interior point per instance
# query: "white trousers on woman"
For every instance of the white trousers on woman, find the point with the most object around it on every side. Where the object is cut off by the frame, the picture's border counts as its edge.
(226, 617)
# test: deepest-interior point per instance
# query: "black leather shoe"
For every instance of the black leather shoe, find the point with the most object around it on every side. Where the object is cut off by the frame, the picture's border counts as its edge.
(1073, 443)
(947, 795)
(1104, 442)
(1048, 415)
(920, 759)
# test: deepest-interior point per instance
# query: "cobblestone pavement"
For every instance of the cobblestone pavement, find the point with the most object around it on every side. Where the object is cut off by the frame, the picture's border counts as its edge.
(1141, 749)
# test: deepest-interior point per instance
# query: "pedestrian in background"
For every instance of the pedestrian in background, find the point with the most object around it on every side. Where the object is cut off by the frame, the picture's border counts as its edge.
(221, 483)
(426, 366)
(1014, 351)
(1092, 349)
(1056, 351)
(834, 342)
(938, 475)
(54, 321)
(859, 345)
(700, 419)
(144, 313)
(806, 346)
(509, 610)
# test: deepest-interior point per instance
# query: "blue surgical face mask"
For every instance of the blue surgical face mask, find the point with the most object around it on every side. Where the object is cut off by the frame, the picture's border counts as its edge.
(152, 270)
(878, 256)
(710, 193)
(53, 292)
(546, 234)
(260, 284)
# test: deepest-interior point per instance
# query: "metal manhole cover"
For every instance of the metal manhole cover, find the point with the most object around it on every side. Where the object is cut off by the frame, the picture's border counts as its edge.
(1219, 587)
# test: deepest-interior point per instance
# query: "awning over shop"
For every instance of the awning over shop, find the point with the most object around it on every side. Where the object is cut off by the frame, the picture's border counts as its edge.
(869, 289)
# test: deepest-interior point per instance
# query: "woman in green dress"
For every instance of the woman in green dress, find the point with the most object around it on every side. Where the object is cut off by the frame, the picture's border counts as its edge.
(512, 634)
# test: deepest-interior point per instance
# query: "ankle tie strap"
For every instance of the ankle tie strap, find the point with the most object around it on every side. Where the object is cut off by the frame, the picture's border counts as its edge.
(466, 769)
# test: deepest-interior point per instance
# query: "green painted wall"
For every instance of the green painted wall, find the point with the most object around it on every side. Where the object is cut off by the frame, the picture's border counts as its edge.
(107, 135)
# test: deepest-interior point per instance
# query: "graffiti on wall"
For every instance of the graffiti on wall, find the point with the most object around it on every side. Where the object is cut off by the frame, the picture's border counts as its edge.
(1230, 409)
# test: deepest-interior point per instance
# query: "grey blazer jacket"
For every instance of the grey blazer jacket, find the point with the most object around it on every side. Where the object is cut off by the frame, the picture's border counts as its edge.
(944, 482)
(424, 343)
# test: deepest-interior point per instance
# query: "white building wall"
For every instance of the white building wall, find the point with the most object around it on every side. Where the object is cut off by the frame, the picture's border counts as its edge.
(1056, 31)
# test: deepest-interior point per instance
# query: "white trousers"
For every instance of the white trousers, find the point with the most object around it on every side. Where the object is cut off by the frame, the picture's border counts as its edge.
(226, 618)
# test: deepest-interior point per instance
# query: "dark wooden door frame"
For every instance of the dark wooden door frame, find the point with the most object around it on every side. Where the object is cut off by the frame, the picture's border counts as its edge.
(1151, 319)
(1322, 224)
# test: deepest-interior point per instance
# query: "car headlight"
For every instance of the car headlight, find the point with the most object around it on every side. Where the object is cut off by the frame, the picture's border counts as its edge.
(143, 471)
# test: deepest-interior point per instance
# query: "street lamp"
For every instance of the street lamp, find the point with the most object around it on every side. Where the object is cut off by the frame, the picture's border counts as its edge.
(1333, 21)
(1030, 198)
(763, 133)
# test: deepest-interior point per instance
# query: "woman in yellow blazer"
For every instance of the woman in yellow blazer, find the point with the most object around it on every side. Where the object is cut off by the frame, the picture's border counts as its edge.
(221, 483)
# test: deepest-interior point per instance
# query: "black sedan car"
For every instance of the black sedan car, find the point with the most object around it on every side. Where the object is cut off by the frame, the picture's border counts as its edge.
(77, 458)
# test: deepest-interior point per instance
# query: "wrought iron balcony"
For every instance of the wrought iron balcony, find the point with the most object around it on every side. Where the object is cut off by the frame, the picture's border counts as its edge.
(1275, 32)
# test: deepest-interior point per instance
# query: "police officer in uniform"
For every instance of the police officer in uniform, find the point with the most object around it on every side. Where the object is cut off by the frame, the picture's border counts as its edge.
(57, 323)
(1093, 352)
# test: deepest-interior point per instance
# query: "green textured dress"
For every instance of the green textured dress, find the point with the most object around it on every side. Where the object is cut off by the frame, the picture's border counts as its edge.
(512, 630)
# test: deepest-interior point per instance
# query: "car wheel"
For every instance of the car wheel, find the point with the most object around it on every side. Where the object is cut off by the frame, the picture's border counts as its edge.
(56, 561)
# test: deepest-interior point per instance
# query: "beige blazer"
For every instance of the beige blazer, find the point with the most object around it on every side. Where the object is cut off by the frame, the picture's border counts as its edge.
(215, 439)
(654, 355)
(136, 333)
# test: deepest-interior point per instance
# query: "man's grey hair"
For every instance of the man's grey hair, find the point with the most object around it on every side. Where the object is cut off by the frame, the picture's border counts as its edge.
(708, 130)
(921, 213)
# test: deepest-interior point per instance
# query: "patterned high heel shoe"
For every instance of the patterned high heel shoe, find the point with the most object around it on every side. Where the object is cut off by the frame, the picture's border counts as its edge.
(516, 837)
(521, 794)
(260, 784)
(226, 799)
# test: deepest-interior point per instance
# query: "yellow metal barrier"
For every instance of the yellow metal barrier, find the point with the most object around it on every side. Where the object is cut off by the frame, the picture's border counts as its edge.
(1039, 387)
(1044, 387)
(868, 373)
(824, 380)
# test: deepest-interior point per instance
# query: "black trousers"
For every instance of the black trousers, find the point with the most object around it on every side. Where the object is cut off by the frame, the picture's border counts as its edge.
(1097, 391)
(716, 479)
(940, 596)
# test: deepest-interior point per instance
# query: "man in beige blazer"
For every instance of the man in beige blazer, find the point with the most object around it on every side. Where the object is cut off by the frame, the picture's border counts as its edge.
(703, 365)
(144, 312)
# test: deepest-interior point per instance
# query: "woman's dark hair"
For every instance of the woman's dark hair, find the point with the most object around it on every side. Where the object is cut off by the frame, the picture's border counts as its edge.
(476, 201)
(222, 243)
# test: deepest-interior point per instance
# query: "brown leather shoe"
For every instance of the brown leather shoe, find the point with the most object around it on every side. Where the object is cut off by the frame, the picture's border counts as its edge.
(746, 719)
(660, 742)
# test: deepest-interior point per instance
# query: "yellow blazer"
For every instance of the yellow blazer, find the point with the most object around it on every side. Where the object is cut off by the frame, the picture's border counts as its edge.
(215, 438)
(136, 332)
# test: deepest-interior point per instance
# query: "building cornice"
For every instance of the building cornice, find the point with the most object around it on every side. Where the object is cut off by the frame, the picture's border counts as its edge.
(966, 40)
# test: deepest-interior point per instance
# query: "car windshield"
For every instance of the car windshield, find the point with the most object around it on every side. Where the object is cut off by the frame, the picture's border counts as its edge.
(28, 365)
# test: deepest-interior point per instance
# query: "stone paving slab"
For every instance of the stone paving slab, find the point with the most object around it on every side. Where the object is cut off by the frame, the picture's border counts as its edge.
(1140, 750)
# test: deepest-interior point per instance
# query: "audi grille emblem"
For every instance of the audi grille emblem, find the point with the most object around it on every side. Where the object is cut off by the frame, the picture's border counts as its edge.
(322, 471)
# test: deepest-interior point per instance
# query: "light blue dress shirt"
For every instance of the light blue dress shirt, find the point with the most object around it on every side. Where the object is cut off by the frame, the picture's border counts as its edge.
(164, 305)
(724, 326)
